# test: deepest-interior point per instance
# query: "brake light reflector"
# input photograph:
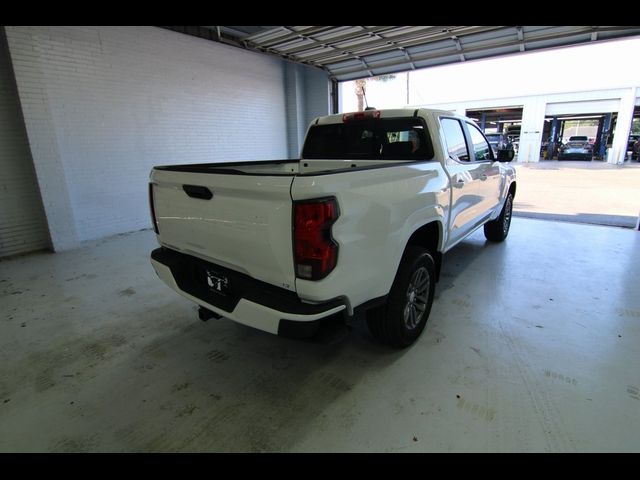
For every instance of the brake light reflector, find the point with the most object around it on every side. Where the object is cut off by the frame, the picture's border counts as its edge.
(316, 253)
(367, 114)
(152, 207)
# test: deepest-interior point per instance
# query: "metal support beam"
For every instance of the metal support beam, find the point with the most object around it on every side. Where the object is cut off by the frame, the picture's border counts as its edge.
(286, 37)
(446, 52)
(335, 99)
(603, 137)
(366, 67)
(402, 49)
(331, 43)
(520, 37)
(404, 40)
(456, 40)
(623, 127)
(552, 140)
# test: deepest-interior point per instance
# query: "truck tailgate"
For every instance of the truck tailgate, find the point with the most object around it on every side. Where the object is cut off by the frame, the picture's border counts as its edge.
(244, 226)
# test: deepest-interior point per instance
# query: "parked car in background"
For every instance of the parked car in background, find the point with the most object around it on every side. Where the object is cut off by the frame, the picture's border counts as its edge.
(577, 147)
(633, 140)
(513, 134)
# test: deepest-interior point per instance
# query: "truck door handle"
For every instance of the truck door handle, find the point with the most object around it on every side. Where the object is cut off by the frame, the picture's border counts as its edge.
(459, 183)
(483, 177)
(196, 191)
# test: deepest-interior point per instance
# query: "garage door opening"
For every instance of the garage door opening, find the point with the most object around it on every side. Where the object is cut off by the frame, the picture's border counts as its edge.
(499, 124)
(573, 180)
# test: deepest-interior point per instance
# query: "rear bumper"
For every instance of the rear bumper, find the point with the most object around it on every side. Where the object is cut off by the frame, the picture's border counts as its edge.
(251, 302)
(579, 154)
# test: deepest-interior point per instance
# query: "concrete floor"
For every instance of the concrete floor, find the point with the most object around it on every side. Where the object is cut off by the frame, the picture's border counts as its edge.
(576, 191)
(532, 345)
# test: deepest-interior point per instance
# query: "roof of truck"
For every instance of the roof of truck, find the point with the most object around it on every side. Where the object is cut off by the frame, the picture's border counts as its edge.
(384, 113)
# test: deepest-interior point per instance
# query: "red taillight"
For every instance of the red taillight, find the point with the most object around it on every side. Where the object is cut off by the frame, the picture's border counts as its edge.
(315, 251)
(152, 207)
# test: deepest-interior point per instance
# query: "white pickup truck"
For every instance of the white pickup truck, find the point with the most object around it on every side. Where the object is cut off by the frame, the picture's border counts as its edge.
(359, 224)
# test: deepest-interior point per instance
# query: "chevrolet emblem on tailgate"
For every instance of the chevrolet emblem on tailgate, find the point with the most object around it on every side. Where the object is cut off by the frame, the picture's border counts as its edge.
(217, 282)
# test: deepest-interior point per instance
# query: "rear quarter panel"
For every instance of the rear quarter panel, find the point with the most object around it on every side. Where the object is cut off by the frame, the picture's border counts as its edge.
(379, 210)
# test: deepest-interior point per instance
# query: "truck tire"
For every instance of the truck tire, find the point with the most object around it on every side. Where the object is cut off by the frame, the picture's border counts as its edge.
(498, 229)
(402, 319)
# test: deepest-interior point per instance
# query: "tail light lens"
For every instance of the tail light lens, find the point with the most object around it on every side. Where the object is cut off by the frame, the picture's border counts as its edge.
(316, 253)
(152, 207)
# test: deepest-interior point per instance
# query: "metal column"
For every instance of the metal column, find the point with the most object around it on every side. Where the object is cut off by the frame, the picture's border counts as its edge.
(552, 138)
(334, 96)
(603, 136)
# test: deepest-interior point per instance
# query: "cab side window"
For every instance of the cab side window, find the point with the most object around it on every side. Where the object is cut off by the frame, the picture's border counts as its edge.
(454, 135)
(481, 147)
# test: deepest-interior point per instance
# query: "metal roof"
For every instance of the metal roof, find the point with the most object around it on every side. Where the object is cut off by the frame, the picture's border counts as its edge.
(351, 52)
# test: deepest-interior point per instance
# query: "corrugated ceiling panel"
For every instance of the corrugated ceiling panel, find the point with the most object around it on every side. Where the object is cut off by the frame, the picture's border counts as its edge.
(360, 51)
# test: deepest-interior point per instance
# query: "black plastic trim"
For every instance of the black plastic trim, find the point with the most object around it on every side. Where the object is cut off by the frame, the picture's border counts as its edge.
(369, 304)
(197, 191)
(187, 269)
(204, 168)
(152, 207)
(220, 168)
(396, 163)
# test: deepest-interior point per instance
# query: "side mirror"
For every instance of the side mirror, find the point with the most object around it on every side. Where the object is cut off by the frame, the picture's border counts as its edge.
(505, 155)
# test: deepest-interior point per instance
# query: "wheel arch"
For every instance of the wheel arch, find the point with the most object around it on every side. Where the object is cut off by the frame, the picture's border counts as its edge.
(430, 237)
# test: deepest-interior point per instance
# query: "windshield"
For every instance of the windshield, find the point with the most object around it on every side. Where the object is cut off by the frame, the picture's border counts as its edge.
(393, 138)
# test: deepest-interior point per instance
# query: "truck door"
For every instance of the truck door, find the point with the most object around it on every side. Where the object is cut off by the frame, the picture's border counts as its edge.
(465, 174)
(489, 185)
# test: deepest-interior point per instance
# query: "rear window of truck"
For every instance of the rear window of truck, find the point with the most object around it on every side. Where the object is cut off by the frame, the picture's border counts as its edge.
(376, 139)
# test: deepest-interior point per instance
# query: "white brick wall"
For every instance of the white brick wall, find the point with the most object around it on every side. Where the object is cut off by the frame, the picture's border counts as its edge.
(22, 223)
(102, 105)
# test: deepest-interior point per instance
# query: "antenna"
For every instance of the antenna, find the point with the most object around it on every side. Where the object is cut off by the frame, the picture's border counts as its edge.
(364, 94)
